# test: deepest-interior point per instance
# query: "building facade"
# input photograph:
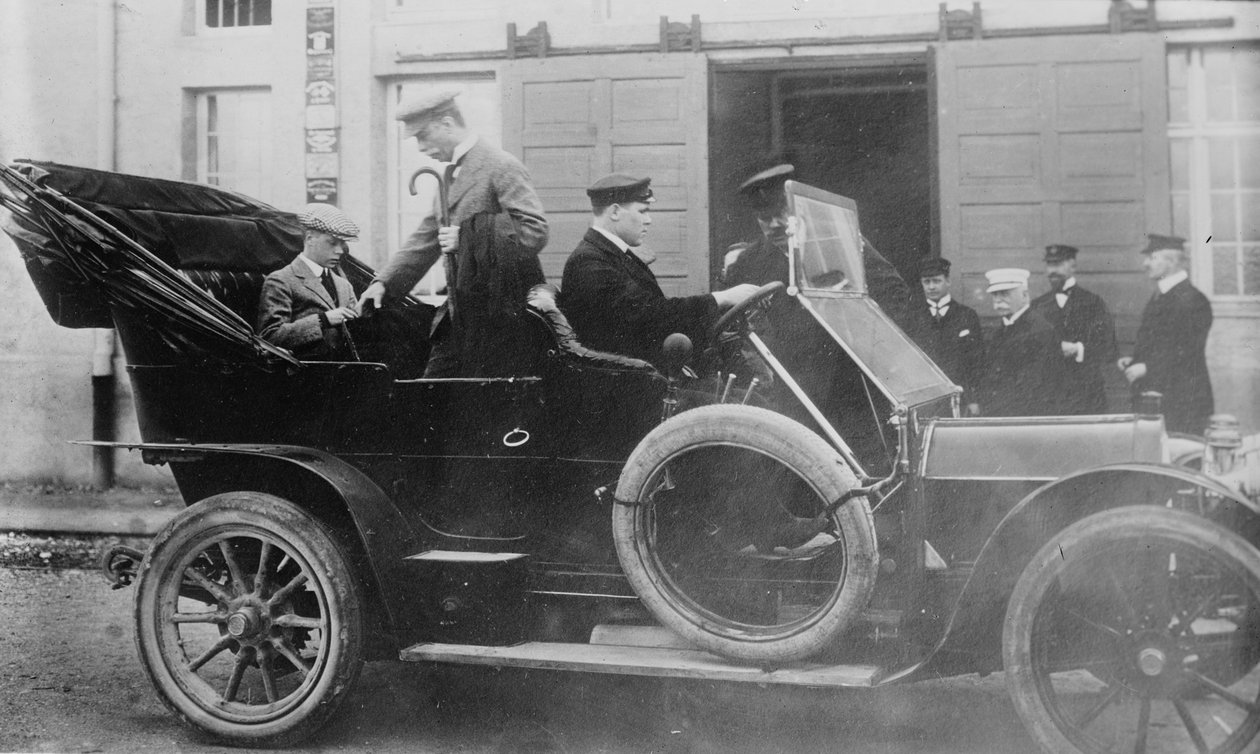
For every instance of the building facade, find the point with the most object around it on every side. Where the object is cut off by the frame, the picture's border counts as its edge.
(980, 132)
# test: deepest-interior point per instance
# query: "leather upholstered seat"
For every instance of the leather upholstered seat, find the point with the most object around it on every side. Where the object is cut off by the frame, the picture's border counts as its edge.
(542, 304)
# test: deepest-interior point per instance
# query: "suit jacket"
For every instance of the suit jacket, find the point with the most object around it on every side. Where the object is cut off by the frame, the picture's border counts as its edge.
(288, 312)
(614, 303)
(490, 180)
(1171, 342)
(1083, 319)
(1023, 369)
(956, 344)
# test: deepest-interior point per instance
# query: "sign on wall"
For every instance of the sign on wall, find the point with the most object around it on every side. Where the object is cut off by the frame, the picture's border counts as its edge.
(323, 169)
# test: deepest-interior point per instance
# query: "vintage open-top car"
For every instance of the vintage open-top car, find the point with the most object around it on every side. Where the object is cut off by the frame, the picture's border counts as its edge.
(585, 511)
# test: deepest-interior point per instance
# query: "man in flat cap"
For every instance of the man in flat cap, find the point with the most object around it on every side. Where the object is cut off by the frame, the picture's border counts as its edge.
(1023, 368)
(765, 259)
(955, 340)
(1087, 333)
(304, 306)
(610, 295)
(1170, 354)
(488, 182)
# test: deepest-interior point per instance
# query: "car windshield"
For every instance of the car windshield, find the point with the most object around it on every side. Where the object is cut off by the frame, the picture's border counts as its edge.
(831, 276)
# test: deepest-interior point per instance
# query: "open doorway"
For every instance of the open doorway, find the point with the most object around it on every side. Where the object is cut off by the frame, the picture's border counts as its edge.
(861, 130)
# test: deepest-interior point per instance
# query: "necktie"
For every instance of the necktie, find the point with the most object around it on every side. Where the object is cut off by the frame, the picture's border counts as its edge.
(329, 285)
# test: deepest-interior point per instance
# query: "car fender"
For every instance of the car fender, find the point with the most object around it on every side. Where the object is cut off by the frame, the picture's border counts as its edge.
(383, 533)
(972, 637)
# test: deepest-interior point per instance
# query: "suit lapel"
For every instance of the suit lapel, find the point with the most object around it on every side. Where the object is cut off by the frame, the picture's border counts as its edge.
(633, 266)
(312, 283)
(469, 165)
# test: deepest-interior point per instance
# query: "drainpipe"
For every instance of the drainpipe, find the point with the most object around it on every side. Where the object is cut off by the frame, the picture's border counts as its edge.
(104, 381)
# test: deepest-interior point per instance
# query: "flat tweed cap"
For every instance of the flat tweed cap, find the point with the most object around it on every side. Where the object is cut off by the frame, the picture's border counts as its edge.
(620, 188)
(328, 219)
(933, 266)
(1006, 278)
(1155, 242)
(415, 112)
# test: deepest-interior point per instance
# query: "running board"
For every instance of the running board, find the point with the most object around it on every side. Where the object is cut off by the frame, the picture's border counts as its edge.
(661, 662)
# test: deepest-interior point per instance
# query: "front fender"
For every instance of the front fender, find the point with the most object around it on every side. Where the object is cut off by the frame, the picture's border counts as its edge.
(973, 634)
(383, 533)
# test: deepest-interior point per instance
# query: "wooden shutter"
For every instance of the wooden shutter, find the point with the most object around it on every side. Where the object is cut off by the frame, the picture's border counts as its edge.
(574, 119)
(1053, 140)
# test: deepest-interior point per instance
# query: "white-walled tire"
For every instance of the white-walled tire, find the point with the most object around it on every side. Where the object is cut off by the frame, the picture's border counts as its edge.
(715, 526)
(248, 620)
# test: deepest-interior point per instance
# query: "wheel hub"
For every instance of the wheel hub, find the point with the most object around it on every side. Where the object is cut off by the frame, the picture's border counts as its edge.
(245, 622)
(1152, 661)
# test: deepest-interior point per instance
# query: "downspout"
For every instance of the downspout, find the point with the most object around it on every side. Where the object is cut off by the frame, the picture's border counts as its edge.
(104, 381)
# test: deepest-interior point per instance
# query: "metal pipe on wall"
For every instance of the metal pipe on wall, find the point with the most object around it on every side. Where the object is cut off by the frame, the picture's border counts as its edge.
(104, 380)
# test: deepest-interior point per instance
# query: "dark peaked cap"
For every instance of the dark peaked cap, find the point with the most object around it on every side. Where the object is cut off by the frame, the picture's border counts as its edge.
(766, 186)
(933, 266)
(619, 188)
(1057, 252)
(1156, 242)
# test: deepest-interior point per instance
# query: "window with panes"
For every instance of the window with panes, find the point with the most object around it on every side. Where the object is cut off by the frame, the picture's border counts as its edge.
(1214, 138)
(234, 140)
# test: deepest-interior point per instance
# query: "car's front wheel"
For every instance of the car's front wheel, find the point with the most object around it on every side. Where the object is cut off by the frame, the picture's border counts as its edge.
(1136, 628)
(248, 619)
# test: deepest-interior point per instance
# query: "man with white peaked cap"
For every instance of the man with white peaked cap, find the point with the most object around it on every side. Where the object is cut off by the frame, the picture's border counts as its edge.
(1023, 366)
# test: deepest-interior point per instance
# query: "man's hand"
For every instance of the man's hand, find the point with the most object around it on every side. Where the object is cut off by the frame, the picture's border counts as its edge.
(1134, 372)
(1072, 350)
(735, 295)
(374, 294)
(340, 315)
(973, 409)
(448, 238)
(1123, 362)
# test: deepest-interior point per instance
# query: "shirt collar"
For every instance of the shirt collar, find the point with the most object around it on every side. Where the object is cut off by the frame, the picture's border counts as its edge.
(1166, 283)
(316, 270)
(1012, 319)
(462, 148)
(1067, 284)
(625, 247)
(943, 303)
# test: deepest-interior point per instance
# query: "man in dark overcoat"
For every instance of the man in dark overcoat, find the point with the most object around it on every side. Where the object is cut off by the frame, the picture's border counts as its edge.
(955, 340)
(1169, 356)
(611, 296)
(1087, 333)
(1023, 367)
(304, 305)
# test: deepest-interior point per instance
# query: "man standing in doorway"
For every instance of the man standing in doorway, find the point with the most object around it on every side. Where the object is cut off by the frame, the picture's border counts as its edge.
(1023, 369)
(956, 341)
(611, 296)
(1170, 354)
(1087, 334)
(488, 182)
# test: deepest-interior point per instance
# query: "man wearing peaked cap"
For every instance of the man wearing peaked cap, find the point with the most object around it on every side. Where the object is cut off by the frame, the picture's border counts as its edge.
(304, 306)
(955, 342)
(1086, 331)
(1023, 369)
(489, 183)
(1169, 356)
(608, 292)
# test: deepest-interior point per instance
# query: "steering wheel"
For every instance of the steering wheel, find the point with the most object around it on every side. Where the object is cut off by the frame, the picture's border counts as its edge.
(761, 294)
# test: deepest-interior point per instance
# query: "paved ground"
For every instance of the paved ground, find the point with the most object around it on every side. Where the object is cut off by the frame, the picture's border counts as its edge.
(121, 512)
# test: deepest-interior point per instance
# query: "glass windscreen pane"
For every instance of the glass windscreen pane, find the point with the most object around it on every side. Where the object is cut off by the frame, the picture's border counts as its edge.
(903, 372)
(830, 244)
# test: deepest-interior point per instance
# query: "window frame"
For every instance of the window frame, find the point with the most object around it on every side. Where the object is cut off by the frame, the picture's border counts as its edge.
(202, 28)
(201, 134)
(1196, 132)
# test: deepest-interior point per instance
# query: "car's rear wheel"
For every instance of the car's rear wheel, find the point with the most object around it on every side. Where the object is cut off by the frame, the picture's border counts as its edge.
(248, 619)
(722, 528)
(1135, 625)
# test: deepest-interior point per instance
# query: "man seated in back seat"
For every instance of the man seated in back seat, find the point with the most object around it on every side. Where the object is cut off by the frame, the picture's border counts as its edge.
(304, 306)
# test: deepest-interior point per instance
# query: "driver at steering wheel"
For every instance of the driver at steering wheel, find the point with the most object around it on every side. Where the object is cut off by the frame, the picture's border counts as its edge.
(609, 293)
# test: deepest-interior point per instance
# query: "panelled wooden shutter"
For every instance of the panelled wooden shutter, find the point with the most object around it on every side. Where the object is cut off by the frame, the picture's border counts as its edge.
(1053, 140)
(574, 119)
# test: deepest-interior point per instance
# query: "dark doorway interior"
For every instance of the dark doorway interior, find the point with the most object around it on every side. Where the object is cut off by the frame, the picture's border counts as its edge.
(860, 131)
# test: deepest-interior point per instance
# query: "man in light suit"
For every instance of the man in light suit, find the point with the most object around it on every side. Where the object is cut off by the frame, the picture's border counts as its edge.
(487, 181)
(304, 306)
(1169, 355)
(609, 294)
(1087, 334)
